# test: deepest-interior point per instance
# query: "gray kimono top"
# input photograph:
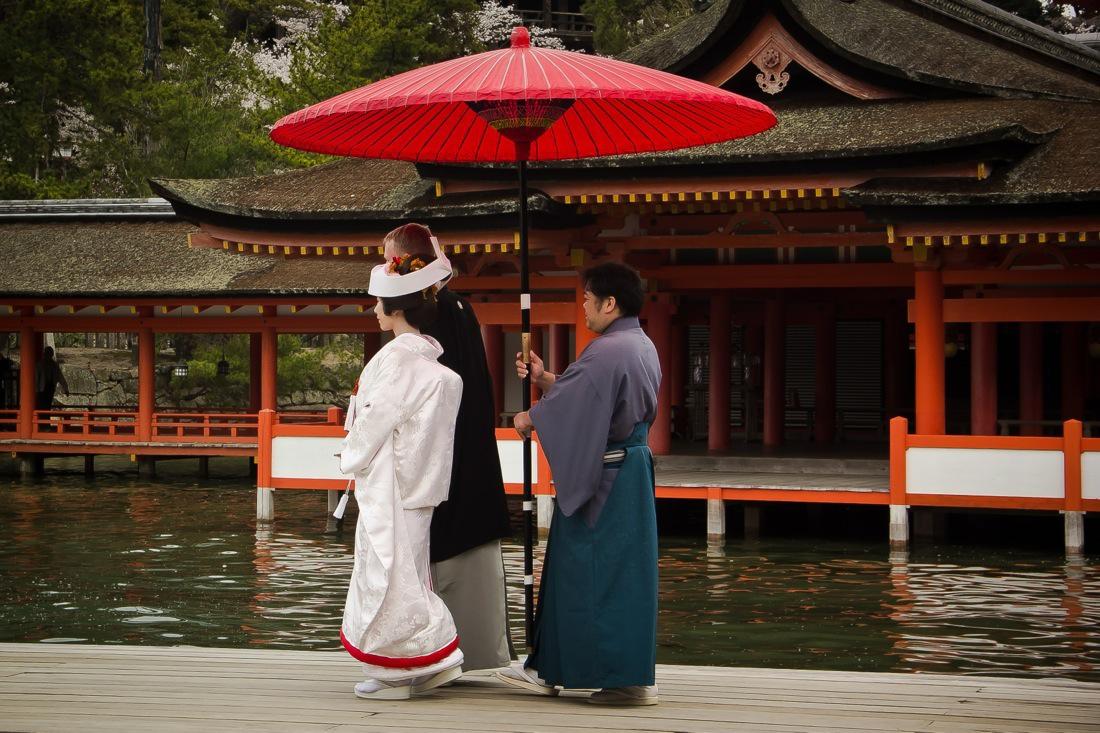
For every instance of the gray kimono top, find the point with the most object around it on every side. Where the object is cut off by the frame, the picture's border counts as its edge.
(598, 400)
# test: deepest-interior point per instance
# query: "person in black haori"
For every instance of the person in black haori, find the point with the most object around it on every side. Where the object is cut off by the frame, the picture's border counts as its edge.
(466, 562)
(47, 376)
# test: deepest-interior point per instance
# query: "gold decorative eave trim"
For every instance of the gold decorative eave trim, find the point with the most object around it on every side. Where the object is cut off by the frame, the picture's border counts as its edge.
(346, 251)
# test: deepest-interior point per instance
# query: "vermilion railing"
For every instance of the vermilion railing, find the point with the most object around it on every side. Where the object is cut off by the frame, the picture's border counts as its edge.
(204, 427)
(9, 421)
(84, 425)
(100, 424)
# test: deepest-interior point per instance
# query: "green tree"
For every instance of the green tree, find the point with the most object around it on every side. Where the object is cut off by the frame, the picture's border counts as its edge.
(620, 24)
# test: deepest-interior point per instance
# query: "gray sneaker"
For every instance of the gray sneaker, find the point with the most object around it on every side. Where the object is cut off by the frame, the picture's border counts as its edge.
(634, 695)
(525, 679)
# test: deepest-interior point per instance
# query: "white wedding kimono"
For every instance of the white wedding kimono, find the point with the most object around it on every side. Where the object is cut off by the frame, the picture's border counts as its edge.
(401, 426)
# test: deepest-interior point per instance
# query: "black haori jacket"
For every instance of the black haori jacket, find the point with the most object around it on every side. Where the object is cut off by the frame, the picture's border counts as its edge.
(476, 510)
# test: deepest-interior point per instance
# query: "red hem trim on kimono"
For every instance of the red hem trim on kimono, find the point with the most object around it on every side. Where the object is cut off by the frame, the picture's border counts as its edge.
(380, 661)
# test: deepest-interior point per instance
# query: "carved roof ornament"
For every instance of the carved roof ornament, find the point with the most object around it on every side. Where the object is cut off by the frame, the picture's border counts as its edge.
(772, 62)
(771, 48)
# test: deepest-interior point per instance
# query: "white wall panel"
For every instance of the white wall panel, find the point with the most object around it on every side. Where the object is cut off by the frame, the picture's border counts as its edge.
(984, 472)
(1090, 475)
(511, 461)
(305, 457)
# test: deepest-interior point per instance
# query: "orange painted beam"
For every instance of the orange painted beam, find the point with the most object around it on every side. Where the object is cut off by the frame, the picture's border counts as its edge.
(989, 442)
(718, 277)
(992, 276)
(983, 502)
(1017, 310)
(507, 314)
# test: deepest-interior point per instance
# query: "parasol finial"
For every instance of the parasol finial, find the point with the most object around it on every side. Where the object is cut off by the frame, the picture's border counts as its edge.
(520, 37)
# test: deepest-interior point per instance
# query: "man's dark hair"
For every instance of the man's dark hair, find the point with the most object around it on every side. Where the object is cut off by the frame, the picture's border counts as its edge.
(618, 280)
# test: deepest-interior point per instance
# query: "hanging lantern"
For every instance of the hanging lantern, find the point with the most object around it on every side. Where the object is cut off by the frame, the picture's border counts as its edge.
(181, 369)
(223, 368)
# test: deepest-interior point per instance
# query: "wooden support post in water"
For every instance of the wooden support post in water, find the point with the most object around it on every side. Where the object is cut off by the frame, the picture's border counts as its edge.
(929, 524)
(89, 466)
(147, 467)
(332, 524)
(204, 466)
(30, 467)
(751, 522)
(716, 518)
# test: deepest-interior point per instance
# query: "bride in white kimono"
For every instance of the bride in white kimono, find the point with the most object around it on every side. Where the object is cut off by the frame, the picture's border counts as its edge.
(401, 424)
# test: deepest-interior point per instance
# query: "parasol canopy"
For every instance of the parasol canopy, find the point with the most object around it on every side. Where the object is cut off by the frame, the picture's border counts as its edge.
(522, 103)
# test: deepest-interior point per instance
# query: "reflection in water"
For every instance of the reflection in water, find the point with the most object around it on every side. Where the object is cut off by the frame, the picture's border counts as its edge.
(119, 561)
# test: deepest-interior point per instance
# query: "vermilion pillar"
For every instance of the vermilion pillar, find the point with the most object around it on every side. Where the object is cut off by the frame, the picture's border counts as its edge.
(147, 385)
(559, 348)
(583, 336)
(825, 375)
(1031, 376)
(28, 359)
(983, 379)
(1073, 370)
(372, 342)
(659, 329)
(254, 372)
(718, 391)
(928, 314)
(269, 357)
(493, 338)
(774, 372)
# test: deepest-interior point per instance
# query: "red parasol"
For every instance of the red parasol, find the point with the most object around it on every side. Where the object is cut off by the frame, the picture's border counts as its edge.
(522, 104)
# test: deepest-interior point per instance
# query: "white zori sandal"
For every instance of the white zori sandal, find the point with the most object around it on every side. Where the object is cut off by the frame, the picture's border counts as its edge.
(372, 689)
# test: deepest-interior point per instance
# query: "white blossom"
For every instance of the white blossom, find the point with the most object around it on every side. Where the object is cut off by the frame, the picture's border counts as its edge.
(493, 24)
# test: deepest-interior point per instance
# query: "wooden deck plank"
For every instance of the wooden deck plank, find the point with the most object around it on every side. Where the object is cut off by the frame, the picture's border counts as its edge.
(47, 687)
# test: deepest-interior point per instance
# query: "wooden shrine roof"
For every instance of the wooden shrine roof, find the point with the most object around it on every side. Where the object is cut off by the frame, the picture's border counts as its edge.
(961, 45)
(384, 191)
(1055, 140)
(142, 259)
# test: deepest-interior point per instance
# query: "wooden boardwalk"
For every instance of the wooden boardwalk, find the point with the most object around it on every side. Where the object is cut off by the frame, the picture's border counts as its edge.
(46, 687)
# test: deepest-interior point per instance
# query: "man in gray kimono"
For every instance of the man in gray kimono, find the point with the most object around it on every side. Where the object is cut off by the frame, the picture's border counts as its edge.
(596, 622)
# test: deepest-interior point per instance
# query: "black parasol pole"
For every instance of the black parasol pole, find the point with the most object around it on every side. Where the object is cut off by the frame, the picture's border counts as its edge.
(525, 329)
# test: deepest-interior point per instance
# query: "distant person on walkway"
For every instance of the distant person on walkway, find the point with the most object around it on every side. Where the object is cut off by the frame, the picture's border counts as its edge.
(47, 375)
(467, 567)
(401, 429)
(596, 623)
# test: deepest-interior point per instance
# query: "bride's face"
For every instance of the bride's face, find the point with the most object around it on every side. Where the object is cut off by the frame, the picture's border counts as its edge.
(384, 322)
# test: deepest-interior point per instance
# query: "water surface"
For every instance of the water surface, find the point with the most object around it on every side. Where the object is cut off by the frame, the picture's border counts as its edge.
(120, 560)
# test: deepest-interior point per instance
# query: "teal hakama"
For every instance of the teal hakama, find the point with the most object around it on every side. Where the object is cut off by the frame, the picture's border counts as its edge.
(596, 621)
(597, 614)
